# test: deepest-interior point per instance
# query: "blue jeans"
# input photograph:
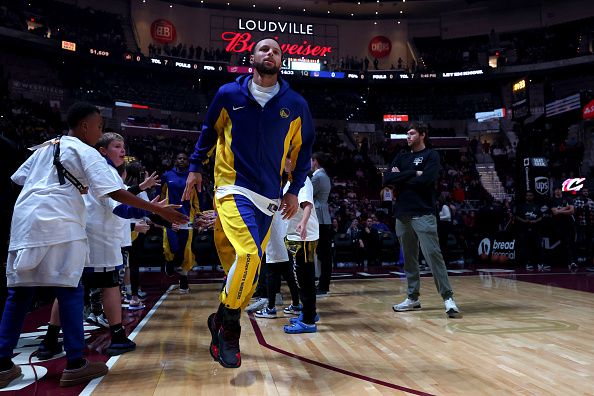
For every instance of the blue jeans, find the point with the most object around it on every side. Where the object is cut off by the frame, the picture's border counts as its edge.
(71, 316)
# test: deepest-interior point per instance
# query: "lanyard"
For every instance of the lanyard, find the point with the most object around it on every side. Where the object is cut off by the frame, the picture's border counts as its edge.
(63, 172)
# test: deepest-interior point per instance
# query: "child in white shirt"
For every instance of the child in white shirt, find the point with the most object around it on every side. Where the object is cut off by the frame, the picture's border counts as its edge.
(48, 242)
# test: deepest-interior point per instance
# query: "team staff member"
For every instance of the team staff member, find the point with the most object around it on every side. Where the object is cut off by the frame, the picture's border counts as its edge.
(251, 122)
(414, 174)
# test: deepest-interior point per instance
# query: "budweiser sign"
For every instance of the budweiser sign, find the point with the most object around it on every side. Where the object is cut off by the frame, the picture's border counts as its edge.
(242, 42)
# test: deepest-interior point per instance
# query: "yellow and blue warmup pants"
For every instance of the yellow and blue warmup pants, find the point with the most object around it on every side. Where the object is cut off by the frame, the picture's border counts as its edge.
(177, 245)
(241, 233)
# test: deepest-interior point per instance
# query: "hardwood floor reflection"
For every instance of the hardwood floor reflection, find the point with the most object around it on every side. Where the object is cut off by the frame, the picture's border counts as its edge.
(515, 338)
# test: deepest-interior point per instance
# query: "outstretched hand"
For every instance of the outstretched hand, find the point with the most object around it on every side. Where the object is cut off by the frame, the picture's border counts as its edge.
(169, 212)
(150, 181)
(193, 184)
(164, 204)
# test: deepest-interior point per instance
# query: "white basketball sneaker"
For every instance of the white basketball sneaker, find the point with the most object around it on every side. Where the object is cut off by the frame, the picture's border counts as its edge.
(407, 305)
(451, 309)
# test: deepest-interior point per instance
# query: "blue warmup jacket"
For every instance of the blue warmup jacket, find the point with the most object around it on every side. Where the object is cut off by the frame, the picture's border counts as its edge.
(252, 141)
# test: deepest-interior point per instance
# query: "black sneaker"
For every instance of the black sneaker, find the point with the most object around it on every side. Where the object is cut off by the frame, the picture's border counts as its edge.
(117, 348)
(229, 353)
(573, 268)
(45, 352)
(214, 327)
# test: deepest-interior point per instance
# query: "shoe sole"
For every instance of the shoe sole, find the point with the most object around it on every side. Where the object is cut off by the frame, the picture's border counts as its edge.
(214, 348)
(300, 331)
(265, 316)
(66, 383)
(227, 365)
(47, 356)
(407, 309)
(454, 315)
(118, 351)
(17, 374)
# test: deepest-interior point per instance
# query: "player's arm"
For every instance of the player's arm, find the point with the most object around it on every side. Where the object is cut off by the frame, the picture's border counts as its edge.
(214, 121)
(168, 212)
(429, 174)
(396, 176)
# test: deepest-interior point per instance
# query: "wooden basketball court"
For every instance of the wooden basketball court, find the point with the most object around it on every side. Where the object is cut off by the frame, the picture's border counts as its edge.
(515, 338)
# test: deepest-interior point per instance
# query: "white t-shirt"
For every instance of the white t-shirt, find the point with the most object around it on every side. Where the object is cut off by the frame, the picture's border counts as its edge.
(47, 213)
(263, 94)
(313, 227)
(276, 250)
(105, 230)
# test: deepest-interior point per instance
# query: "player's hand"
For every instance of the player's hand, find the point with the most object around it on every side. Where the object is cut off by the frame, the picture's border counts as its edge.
(141, 227)
(289, 206)
(302, 230)
(205, 221)
(193, 184)
(171, 215)
(164, 204)
(150, 181)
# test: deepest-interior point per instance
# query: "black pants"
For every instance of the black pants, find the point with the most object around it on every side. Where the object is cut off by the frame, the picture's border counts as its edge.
(305, 271)
(566, 234)
(324, 252)
(529, 247)
(273, 280)
(584, 241)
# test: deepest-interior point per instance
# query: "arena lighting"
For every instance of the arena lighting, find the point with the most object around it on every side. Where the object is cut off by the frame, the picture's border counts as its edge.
(572, 102)
(396, 136)
(489, 115)
(519, 85)
(132, 105)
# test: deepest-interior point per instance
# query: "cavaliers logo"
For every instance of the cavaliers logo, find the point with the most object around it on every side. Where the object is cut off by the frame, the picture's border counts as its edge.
(285, 113)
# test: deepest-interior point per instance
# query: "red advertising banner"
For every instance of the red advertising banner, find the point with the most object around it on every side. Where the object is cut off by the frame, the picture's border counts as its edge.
(395, 117)
(588, 111)
(380, 47)
(163, 31)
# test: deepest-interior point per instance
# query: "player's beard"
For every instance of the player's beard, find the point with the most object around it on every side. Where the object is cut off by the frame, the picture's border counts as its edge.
(263, 69)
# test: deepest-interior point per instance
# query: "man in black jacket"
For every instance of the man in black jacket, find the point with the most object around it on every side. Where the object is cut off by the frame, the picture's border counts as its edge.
(414, 174)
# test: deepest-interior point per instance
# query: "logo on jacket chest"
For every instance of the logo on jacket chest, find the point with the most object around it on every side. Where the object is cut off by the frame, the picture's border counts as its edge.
(284, 112)
(417, 161)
